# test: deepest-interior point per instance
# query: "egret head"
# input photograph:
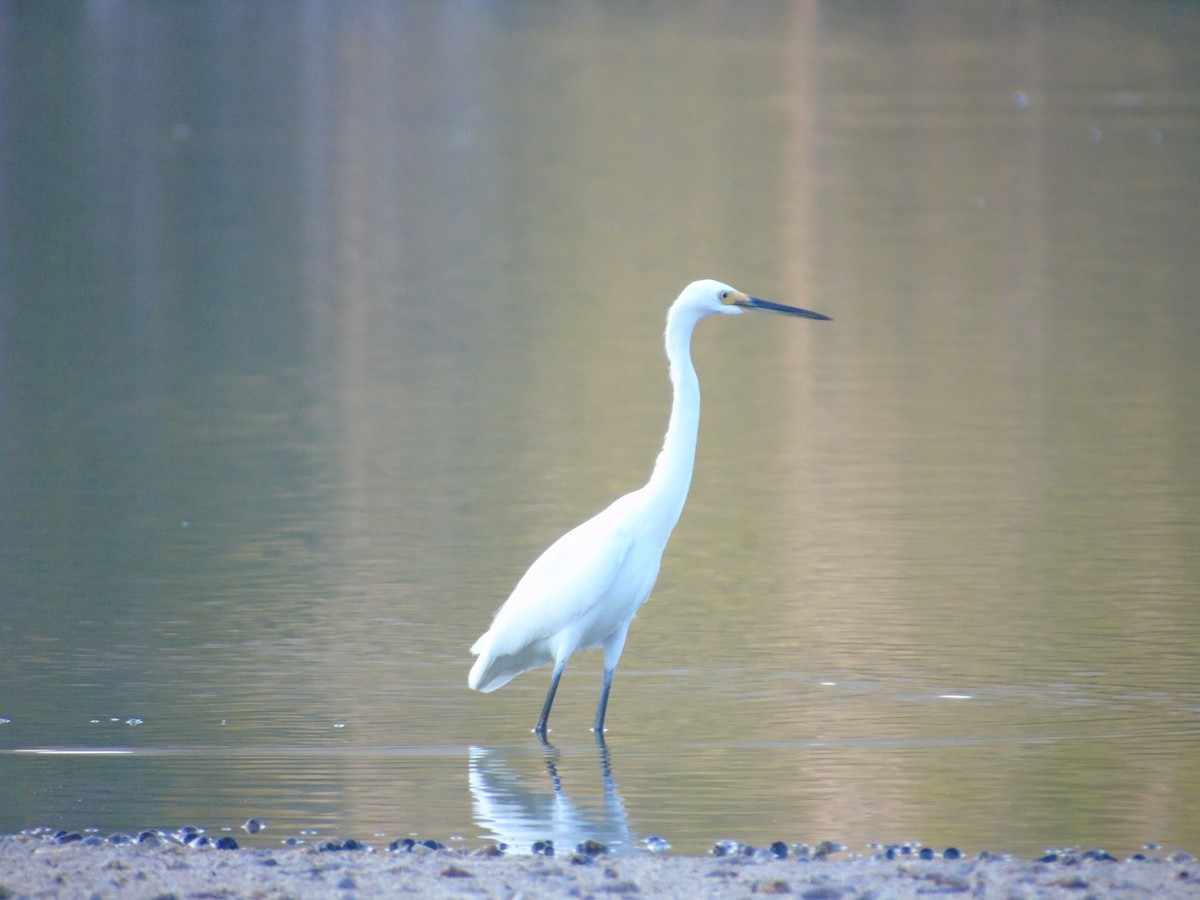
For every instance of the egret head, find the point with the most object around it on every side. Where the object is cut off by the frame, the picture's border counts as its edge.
(708, 297)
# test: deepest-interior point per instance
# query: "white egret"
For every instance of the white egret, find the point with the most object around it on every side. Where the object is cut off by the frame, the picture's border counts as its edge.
(585, 589)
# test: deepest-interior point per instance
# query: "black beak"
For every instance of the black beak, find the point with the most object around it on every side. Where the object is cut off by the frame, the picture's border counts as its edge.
(755, 303)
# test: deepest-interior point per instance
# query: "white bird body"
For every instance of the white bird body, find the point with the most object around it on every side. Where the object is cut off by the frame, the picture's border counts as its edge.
(585, 589)
(597, 574)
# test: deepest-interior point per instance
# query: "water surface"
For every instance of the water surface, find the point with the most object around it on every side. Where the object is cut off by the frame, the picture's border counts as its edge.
(317, 325)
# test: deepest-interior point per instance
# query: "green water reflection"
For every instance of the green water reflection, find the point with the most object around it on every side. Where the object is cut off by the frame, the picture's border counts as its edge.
(317, 325)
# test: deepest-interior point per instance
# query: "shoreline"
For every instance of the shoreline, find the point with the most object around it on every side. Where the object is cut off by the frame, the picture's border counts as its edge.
(43, 865)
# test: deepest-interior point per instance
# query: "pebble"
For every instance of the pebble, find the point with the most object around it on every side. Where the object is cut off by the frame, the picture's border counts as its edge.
(824, 848)
(334, 845)
(639, 873)
(770, 887)
(591, 848)
(822, 892)
(254, 826)
(586, 851)
(731, 848)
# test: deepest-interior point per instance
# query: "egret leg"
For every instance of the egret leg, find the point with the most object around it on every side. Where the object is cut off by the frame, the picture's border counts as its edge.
(540, 728)
(613, 646)
(603, 707)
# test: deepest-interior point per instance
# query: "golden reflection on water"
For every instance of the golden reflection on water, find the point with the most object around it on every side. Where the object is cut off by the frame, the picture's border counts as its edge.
(396, 310)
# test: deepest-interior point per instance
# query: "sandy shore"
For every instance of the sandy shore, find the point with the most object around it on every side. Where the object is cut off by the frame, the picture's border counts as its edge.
(42, 866)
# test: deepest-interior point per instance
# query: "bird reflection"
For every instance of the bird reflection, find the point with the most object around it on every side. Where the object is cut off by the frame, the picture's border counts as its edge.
(521, 811)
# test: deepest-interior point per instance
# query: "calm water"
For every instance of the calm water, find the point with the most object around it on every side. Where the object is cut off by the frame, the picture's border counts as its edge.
(318, 323)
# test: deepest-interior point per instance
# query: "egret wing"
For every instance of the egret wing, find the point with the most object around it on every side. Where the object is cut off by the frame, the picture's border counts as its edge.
(556, 599)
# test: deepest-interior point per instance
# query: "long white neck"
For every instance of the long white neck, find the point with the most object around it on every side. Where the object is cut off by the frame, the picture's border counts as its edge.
(672, 475)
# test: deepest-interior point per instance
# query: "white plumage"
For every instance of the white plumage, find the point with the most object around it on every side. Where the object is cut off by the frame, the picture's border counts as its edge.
(585, 589)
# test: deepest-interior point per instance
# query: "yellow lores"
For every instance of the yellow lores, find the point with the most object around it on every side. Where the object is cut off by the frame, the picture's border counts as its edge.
(585, 589)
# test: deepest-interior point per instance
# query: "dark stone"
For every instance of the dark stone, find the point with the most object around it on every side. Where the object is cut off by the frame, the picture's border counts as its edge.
(822, 892)
(824, 848)
(770, 887)
(731, 848)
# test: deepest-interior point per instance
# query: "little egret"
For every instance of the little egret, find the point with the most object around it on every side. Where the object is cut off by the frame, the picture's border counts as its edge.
(585, 589)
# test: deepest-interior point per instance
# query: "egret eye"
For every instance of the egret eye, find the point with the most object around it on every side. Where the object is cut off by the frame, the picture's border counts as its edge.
(724, 296)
